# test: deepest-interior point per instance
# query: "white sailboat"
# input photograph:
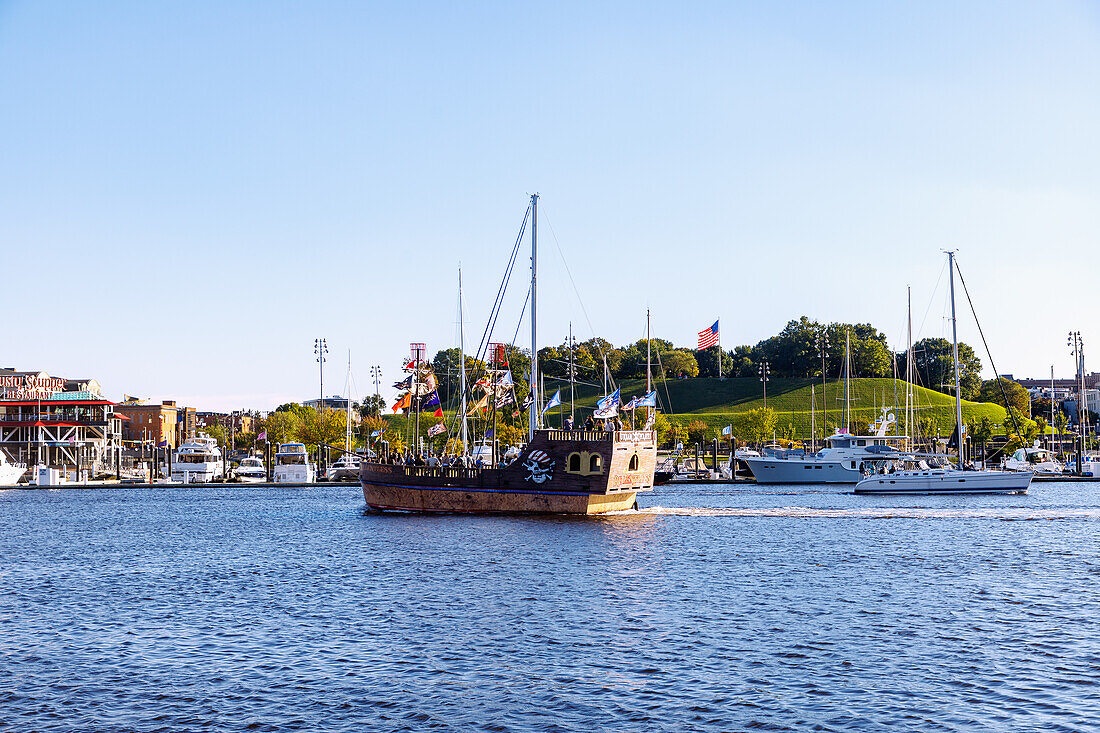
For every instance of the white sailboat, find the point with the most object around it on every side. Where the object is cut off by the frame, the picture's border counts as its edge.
(948, 480)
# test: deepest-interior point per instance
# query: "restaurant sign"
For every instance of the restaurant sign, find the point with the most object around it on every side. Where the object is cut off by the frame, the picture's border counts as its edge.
(22, 387)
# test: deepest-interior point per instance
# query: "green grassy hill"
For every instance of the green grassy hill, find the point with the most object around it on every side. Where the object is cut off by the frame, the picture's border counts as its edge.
(715, 401)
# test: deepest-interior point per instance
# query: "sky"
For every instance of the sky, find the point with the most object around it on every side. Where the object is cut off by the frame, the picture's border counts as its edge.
(191, 193)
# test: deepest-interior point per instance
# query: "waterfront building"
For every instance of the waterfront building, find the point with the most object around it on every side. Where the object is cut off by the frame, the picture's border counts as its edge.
(58, 422)
(150, 424)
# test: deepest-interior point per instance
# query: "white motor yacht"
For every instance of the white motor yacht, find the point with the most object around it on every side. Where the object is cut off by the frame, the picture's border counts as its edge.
(10, 473)
(198, 461)
(346, 468)
(845, 460)
(292, 465)
(1035, 459)
(251, 470)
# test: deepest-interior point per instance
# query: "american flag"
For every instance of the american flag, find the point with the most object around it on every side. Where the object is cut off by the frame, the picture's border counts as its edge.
(708, 337)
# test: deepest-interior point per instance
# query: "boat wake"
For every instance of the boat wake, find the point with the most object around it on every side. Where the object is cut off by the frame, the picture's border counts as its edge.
(1003, 513)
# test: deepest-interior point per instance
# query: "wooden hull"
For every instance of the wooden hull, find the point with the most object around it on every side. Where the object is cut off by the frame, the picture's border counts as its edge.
(560, 472)
(493, 501)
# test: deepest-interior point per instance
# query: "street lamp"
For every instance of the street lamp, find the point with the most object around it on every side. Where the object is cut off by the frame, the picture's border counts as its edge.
(320, 348)
(376, 375)
(765, 370)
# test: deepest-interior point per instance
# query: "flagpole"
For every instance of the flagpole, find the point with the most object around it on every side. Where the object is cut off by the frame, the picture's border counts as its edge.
(719, 345)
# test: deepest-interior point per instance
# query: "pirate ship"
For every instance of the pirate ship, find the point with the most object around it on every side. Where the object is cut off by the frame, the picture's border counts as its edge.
(556, 472)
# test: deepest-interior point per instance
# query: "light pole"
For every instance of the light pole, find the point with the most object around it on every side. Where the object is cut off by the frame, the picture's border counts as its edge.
(1077, 348)
(376, 375)
(765, 370)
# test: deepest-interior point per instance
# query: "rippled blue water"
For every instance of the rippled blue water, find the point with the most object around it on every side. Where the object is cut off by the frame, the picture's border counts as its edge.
(714, 608)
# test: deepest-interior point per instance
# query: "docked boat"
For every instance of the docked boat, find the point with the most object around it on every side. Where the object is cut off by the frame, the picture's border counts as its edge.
(556, 472)
(10, 473)
(198, 461)
(949, 480)
(292, 465)
(251, 470)
(346, 468)
(1036, 460)
(845, 460)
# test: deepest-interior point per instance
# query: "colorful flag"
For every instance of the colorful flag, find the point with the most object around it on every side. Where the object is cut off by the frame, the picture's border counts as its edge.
(482, 404)
(376, 433)
(505, 400)
(631, 405)
(649, 400)
(262, 436)
(708, 337)
(433, 400)
(404, 402)
(554, 402)
(608, 406)
(436, 429)
(439, 411)
(488, 433)
(728, 430)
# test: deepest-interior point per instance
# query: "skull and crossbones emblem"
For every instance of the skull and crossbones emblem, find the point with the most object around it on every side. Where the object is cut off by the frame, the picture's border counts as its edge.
(539, 467)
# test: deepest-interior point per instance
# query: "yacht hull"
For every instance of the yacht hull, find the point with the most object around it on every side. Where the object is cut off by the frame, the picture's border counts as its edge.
(797, 471)
(946, 482)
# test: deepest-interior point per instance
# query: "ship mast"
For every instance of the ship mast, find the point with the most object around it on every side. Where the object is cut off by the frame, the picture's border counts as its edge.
(955, 358)
(648, 368)
(462, 367)
(533, 414)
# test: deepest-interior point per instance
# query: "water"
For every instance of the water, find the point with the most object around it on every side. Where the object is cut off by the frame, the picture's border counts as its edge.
(714, 608)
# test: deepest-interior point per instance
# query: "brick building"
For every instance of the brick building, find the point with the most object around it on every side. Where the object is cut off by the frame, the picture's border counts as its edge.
(155, 424)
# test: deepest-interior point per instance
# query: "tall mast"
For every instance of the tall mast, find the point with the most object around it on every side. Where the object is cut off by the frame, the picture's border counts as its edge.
(347, 427)
(572, 375)
(955, 357)
(462, 367)
(648, 368)
(847, 379)
(533, 421)
(909, 364)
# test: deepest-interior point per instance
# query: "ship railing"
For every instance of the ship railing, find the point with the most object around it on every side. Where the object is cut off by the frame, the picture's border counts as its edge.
(455, 472)
(586, 435)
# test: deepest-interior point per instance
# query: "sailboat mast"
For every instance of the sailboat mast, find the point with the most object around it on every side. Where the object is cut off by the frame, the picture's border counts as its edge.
(955, 357)
(533, 415)
(908, 363)
(347, 419)
(847, 379)
(462, 368)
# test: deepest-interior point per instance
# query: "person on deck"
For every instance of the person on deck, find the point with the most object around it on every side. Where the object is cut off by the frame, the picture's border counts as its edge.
(589, 423)
(567, 424)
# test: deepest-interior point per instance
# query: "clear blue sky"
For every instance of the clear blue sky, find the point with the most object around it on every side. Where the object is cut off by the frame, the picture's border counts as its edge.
(190, 193)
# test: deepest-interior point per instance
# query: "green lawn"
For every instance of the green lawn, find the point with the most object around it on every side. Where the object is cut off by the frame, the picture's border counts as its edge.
(715, 401)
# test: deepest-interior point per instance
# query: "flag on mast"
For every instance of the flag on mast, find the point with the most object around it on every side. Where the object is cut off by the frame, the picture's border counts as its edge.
(554, 402)
(708, 337)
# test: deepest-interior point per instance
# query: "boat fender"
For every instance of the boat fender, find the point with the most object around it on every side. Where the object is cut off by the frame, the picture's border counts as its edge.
(635, 505)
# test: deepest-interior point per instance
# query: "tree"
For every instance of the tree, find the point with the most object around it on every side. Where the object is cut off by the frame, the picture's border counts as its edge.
(218, 433)
(696, 431)
(244, 441)
(935, 368)
(708, 362)
(991, 391)
(756, 425)
(282, 426)
(325, 427)
(1019, 430)
(445, 367)
(680, 362)
(982, 431)
(372, 406)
